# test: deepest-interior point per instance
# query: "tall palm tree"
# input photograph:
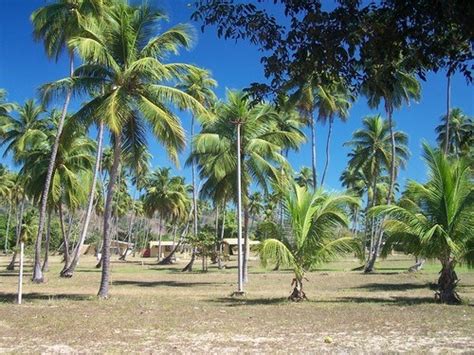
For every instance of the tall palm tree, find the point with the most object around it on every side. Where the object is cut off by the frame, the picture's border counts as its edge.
(316, 221)
(333, 101)
(55, 25)
(435, 219)
(136, 91)
(460, 136)
(199, 85)
(168, 196)
(372, 152)
(392, 84)
(7, 182)
(217, 147)
(255, 206)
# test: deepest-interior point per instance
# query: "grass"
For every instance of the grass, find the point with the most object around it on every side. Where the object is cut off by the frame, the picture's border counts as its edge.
(159, 309)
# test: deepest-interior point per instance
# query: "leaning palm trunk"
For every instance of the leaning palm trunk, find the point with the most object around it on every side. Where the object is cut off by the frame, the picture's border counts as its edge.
(65, 236)
(328, 143)
(313, 151)
(373, 256)
(11, 265)
(37, 273)
(105, 259)
(68, 271)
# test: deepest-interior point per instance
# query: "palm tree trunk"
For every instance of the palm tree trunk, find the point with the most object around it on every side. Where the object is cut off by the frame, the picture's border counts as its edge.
(328, 142)
(193, 176)
(313, 151)
(104, 282)
(219, 260)
(246, 245)
(68, 271)
(240, 284)
(448, 112)
(45, 267)
(447, 283)
(159, 237)
(11, 265)
(7, 231)
(37, 273)
(63, 231)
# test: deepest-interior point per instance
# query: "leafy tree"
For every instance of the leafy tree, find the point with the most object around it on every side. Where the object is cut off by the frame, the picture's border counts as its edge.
(460, 134)
(435, 219)
(316, 222)
(304, 178)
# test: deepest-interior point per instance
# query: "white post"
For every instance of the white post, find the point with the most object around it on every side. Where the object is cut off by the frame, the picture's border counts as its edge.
(20, 275)
(239, 214)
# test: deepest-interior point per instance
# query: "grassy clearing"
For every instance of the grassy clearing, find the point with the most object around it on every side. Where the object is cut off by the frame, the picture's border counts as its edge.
(159, 309)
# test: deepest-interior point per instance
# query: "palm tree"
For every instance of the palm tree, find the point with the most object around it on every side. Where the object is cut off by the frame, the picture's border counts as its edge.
(168, 196)
(460, 133)
(332, 100)
(304, 178)
(372, 153)
(435, 219)
(316, 221)
(5, 107)
(7, 182)
(395, 86)
(136, 91)
(21, 133)
(255, 206)
(251, 132)
(199, 85)
(55, 24)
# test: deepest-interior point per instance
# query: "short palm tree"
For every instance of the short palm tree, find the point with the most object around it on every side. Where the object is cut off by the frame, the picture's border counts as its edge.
(435, 219)
(316, 221)
(136, 92)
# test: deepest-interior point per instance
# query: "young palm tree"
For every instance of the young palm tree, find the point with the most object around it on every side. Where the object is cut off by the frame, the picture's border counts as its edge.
(435, 219)
(460, 136)
(216, 150)
(333, 101)
(316, 221)
(136, 91)
(199, 85)
(395, 86)
(372, 153)
(55, 24)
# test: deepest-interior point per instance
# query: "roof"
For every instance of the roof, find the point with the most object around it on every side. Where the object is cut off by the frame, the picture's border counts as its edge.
(233, 241)
(164, 243)
(114, 243)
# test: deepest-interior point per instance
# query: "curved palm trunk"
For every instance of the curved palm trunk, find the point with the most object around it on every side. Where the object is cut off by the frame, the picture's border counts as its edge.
(447, 283)
(104, 282)
(37, 273)
(11, 265)
(45, 266)
(448, 112)
(240, 284)
(313, 152)
(68, 271)
(328, 142)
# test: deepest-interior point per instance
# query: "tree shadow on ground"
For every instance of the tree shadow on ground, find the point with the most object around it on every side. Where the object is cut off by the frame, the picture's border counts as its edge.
(396, 301)
(242, 301)
(395, 286)
(164, 283)
(6, 297)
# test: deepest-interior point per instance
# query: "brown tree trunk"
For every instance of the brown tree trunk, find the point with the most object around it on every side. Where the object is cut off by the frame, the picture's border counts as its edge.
(448, 113)
(246, 244)
(297, 294)
(11, 265)
(45, 267)
(328, 143)
(313, 151)
(37, 273)
(104, 282)
(65, 237)
(447, 283)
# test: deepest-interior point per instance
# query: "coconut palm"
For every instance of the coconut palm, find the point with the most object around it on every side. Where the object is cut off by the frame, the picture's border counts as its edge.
(333, 101)
(136, 91)
(392, 84)
(434, 220)
(372, 152)
(166, 195)
(316, 222)
(18, 134)
(304, 178)
(54, 25)
(199, 85)
(461, 132)
(7, 182)
(255, 206)
(217, 148)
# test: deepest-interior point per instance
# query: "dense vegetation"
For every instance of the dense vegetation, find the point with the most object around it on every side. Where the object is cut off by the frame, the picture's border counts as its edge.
(249, 190)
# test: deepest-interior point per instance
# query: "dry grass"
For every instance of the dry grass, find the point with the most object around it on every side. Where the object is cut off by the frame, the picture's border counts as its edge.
(159, 309)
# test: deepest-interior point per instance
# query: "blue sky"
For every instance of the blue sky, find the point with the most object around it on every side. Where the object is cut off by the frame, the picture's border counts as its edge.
(24, 67)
